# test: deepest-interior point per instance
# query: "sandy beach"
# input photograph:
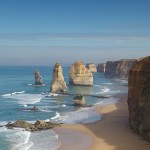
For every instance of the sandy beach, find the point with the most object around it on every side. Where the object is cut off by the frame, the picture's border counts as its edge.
(112, 132)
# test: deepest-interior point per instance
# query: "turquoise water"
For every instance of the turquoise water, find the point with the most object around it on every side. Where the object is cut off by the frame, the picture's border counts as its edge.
(17, 94)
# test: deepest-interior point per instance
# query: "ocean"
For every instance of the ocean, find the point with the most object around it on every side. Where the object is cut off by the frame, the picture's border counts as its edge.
(18, 94)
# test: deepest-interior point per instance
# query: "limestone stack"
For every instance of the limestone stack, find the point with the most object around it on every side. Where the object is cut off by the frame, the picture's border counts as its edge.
(58, 85)
(119, 69)
(101, 67)
(92, 67)
(38, 78)
(139, 97)
(80, 75)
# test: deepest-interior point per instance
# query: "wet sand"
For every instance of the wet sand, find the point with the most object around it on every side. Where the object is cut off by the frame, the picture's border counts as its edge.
(112, 132)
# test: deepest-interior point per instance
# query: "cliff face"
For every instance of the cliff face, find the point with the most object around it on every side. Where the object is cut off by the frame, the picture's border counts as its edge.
(58, 84)
(101, 67)
(80, 75)
(38, 78)
(139, 97)
(119, 69)
(92, 67)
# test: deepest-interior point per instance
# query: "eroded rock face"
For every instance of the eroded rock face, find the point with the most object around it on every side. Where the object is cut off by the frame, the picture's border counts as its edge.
(119, 69)
(139, 97)
(101, 67)
(80, 75)
(38, 78)
(92, 67)
(58, 84)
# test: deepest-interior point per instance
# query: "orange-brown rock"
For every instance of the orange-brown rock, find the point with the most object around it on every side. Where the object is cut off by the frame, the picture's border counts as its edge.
(139, 97)
(80, 75)
(92, 67)
(119, 69)
(58, 85)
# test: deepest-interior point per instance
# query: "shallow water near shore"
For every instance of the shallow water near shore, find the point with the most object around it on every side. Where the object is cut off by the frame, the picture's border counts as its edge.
(18, 95)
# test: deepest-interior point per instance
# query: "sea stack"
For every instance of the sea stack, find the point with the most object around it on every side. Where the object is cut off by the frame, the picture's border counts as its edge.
(101, 67)
(80, 75)
(38, 78)
(58, 85)
(79, 100)
(139, 97)
(119, 69)
(92, 67)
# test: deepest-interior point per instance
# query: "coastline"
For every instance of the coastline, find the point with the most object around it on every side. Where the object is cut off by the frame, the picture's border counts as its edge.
(112, 132)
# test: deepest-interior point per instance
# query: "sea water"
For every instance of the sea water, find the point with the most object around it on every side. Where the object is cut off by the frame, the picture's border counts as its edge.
(18, 94)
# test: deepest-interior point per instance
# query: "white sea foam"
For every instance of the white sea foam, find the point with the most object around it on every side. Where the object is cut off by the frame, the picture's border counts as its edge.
(116, 91)
(18, 139)
(19, 92)
(97, 85)
(57, 116)
(53, 94)
(44, 140)
(45, 110)
(25, 99)
(105, 90)
(110, 100)
(25, 105)
(6, 94)
(63, 105)
(29, 84)
(9, 94)
(82, 116)
(108, 83)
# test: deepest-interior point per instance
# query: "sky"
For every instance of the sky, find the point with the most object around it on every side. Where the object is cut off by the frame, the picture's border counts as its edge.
(43, 32)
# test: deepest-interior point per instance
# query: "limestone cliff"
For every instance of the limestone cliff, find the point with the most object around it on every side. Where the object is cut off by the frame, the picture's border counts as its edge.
(139, 97)
(58, 85)
(80, 75)
(38, 78)
(92, 67)
(119, 69)
(101, 67)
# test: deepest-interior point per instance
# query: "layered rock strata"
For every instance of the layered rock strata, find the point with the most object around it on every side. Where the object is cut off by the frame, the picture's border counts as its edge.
(119, 69)
(80, 75)
(139, 97)
(58, 85)
(101, 67)
(92, 67)
(38, 78)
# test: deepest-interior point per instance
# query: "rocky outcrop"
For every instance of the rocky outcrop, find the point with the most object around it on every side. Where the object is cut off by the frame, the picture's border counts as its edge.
(92, 67)
(80, 75)
(79, 100)
(119, 69)
(38, 125)
(139, 97)
(38, 78)
(101, 67)
(58, 85)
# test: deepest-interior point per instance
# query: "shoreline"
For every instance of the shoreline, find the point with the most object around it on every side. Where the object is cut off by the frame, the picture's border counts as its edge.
(112, 132)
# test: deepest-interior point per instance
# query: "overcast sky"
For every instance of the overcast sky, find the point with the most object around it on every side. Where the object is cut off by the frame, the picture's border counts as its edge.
(42, 32)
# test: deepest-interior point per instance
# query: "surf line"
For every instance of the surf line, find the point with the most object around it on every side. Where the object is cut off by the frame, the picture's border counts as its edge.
(92, 95)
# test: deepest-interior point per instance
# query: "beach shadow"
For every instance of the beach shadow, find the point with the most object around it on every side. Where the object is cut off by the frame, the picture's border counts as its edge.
(114, 132)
